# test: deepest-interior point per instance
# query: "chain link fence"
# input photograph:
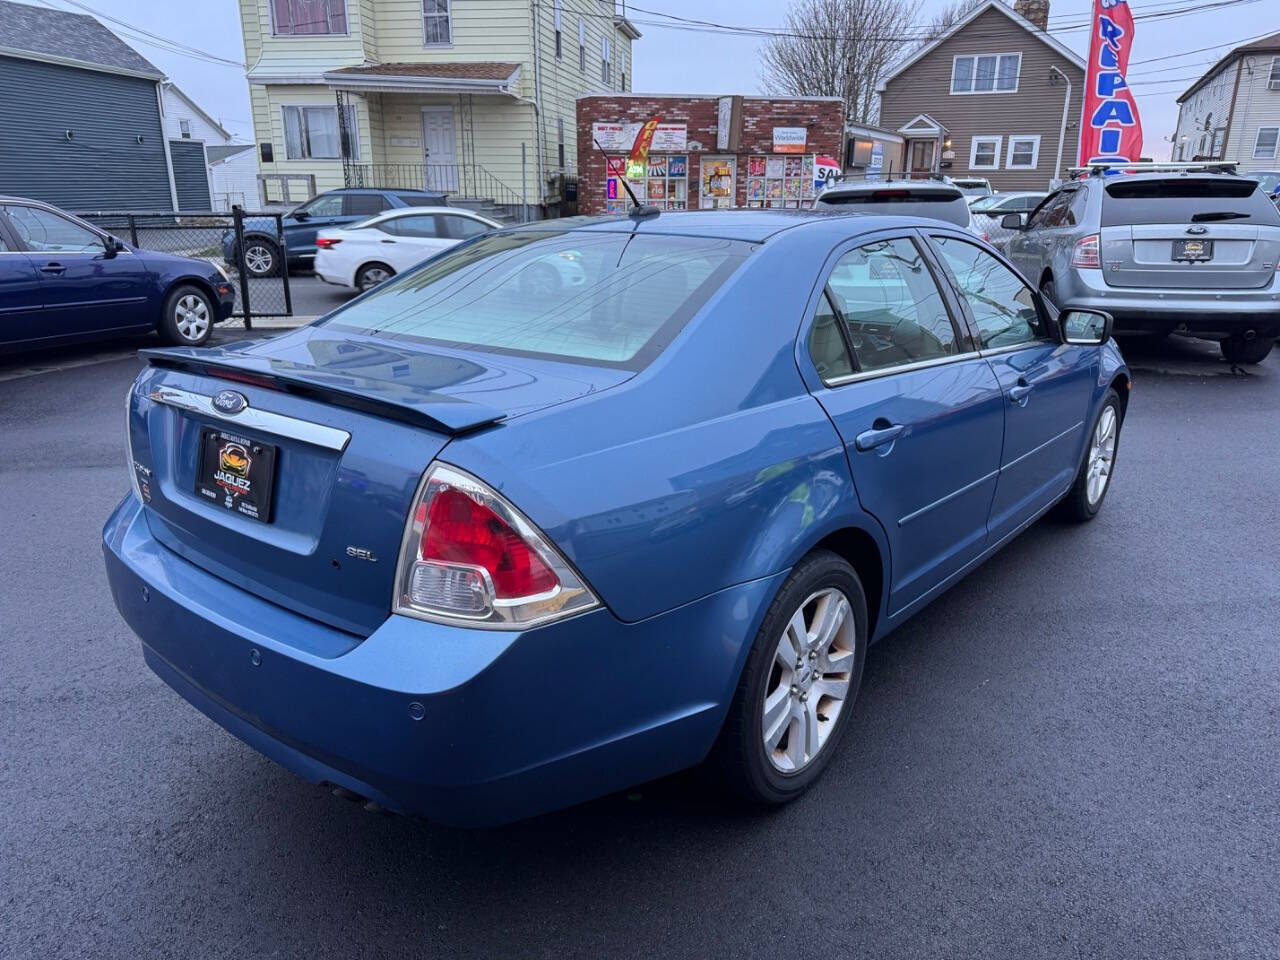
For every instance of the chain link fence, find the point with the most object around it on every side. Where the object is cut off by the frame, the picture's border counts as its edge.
(249, 246)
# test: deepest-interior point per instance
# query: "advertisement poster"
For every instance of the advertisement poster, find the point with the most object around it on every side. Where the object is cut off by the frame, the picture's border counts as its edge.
(876, 163)
(790, 139)
(825, 170)
(1110, 129)
(678, 166)
(622, 136)
(755, 166)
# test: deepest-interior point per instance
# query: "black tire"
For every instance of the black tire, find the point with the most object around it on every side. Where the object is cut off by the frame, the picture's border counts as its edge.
(1048, 291)
(187, 317)
(1077, 506)
(738, 761)
(372, 274)
(262, 258)
(1239, 350)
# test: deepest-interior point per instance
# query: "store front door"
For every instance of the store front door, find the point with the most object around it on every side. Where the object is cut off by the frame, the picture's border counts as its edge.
(719, 182)
(920, 156)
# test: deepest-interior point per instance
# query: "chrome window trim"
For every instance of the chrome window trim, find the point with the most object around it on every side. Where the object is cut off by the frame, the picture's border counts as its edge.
(1025, 344)
(902, 368)
(304, 431)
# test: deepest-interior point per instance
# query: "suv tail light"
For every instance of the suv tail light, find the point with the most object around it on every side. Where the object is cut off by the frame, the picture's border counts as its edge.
(327, 243)
(469, 555)
(1085, 253)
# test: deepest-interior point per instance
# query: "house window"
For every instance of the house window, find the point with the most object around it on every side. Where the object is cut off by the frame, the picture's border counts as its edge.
(1273, 78)
(1219, 135)
(984, 153)
(437, 31)
(582, 45)
(606, 68)
(986, 73)
(559, 40)
(184, 128)
(292, 18)
(1024, 153)
(313, 133)
(1264, 147)
(560, 140)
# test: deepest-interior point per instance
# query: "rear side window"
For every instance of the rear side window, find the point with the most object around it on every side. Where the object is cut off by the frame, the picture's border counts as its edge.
(1186, 200)
(426, 225)
(890, 307)
(420, 200)
(463, 228)
(945, 205)
(365, 204)
(615, 299)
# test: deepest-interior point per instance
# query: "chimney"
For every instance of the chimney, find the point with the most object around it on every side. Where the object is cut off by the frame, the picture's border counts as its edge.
(1037, 11)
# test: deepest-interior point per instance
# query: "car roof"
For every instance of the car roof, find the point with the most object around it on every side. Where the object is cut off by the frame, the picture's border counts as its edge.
(1208, 177)
(751, 226)
(858, 186)
(382, 190)
(396, 213)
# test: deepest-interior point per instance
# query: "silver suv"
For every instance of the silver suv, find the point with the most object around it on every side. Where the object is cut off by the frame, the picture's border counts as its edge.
(1187, 253)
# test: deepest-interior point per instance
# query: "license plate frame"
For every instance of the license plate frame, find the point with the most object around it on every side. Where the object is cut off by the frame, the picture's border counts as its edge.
(1192, 251)
(236, 473)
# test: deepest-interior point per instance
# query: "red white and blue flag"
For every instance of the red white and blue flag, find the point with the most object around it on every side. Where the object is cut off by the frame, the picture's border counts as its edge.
(1110, 129)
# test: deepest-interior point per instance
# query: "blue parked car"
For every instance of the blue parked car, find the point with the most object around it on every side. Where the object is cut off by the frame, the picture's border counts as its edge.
(63, 280)
(262, 254)
(484, 542)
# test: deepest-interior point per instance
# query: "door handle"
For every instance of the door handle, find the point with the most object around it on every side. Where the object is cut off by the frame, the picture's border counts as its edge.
(877, 436)
(54, 268)
(388, 241)
(1019, 392)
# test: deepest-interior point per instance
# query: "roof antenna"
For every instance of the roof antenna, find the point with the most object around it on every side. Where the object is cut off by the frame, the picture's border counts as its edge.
(638, 211)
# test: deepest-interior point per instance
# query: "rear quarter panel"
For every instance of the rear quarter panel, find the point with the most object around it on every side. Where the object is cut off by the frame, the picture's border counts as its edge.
(714, 466)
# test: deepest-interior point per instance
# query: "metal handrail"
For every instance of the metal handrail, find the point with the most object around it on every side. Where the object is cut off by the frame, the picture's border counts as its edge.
(466, 180)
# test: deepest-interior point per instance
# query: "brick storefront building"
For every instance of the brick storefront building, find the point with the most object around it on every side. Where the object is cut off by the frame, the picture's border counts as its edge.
(708, 152)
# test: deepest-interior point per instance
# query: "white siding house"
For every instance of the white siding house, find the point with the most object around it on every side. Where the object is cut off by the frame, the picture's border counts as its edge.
(233, 176)
(453, 95)
(1232, 113)
(231, 168)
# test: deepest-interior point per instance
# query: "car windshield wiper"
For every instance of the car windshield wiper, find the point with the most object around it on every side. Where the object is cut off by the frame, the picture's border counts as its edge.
(1217, 215)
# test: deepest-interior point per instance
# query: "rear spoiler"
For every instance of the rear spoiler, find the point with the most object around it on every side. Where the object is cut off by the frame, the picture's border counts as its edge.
(422, 408)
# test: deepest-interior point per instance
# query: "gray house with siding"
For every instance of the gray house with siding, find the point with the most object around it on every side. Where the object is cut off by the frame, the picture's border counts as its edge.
(82, 119)
(993, 96)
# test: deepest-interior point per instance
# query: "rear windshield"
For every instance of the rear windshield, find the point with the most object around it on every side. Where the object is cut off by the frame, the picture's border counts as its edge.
(946, 205)
(614, 299)
(1186, 200)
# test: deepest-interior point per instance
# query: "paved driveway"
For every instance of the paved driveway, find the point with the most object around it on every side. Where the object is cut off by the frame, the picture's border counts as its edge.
(1074, 753)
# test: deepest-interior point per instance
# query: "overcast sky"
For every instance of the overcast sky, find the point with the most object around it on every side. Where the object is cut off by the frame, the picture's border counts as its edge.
(669, 60)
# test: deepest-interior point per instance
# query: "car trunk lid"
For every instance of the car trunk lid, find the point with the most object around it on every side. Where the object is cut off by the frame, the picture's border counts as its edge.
(345, 440)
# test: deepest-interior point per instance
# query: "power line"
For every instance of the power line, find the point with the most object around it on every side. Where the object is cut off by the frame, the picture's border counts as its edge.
(145, 36)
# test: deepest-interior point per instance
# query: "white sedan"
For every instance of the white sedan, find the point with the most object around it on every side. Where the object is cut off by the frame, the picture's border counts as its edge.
(366, 253)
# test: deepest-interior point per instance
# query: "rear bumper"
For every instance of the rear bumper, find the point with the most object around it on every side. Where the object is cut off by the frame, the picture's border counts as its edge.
(468, 727)
(1207, 313)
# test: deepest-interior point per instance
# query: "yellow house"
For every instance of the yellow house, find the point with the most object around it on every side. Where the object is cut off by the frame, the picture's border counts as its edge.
(472, 97)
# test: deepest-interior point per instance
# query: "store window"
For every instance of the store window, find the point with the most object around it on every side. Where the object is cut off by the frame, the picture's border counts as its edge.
(718, 176)
(662, 182)
(780, 181)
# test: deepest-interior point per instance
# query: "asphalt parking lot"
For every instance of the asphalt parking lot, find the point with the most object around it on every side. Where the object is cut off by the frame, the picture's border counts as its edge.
(1074, 753)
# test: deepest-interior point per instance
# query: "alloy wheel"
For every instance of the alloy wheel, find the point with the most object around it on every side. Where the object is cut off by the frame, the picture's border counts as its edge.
(372, 276)
(258, 260)
(809, 680)
(1102, 454)
(191, 316)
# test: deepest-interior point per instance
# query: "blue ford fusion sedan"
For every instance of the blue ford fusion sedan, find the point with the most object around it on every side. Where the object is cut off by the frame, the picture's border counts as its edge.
(579, 504)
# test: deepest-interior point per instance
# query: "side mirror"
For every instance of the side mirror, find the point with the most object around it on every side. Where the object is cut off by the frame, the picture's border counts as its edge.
(1091, 327)
(1012, 221)
(301, 216)
(110, 247)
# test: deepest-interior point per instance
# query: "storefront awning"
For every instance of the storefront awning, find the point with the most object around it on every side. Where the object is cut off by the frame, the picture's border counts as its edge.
(498, 79)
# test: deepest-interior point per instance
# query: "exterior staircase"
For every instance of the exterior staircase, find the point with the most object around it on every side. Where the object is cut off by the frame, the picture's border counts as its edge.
(487, 207)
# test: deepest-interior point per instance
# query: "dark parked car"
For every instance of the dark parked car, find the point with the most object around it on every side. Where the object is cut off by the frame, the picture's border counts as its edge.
(63, 279)
(477, 545)
(262, 254)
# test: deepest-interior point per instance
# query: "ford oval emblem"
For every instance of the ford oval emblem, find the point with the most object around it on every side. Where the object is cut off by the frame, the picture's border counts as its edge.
(229, 402)
(1197, 230)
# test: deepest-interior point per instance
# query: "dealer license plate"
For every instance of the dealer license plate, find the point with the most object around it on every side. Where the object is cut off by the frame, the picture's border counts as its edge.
(236, 473)
(1193, 249)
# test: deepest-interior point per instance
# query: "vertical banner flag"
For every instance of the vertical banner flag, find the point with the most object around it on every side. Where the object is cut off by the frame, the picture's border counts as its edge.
(1110, 129)
(640, 149)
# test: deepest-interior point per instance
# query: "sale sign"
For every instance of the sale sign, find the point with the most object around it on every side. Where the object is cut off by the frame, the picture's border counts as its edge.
(1110, 129)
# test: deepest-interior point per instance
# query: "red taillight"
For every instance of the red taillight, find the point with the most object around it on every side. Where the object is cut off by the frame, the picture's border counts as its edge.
(470, 554)
(1086, 253)
(327, 243)
(461, 531)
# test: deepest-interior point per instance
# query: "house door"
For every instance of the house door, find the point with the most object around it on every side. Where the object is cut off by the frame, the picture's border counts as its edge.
(440, 148)
(921, 157)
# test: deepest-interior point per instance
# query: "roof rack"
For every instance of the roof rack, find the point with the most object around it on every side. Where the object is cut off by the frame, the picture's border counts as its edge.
(1103, 167)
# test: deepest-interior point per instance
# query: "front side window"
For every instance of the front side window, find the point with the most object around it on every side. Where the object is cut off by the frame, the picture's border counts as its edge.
(303, 17)
(424, 225)
(890, 307)
(437, 29)
(1264, 146)
(614, 299)
(1003, 307)
(985, 153)
(47, 232)
(328, 205)
(313, 133)
(1048, 211)
(986, 73)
